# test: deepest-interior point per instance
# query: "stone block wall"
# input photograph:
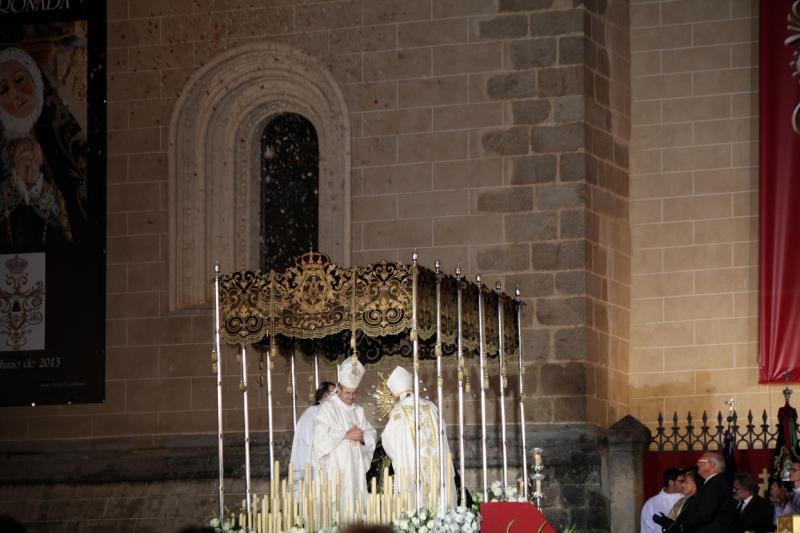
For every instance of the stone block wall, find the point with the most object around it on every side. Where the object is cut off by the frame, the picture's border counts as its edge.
(608, 243)
(469, 142)
(490, 133)
(164, 491)
(694, 209)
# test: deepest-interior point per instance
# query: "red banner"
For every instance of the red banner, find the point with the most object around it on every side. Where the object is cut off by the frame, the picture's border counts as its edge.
(506, 517)
(779, 191)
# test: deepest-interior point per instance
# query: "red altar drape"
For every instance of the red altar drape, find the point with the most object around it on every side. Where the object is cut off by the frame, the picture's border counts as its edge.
(779, 199)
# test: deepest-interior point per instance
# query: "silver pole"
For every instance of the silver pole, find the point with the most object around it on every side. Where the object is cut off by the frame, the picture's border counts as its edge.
(216, 366)
(481, 357)
(521, 395)
(461, 369)
(293, 392)
(316, 371)
(501, 357)
(243, 389)
(415, 351)
(270, 357)
(439, 385)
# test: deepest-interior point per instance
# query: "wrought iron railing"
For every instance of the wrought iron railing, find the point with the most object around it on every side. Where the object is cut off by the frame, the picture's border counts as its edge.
(711, 436)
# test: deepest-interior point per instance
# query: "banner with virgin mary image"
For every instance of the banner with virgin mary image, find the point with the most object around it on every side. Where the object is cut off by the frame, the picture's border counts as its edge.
(52, 202)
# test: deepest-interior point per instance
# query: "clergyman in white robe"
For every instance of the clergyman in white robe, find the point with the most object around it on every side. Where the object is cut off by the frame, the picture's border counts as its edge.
(398, 438)
(332, 450)
(304, 432)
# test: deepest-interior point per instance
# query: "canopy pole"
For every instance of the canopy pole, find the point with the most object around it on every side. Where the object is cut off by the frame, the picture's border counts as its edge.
(270, 435)
(521, 394)
(415, 352)
(461, 369)
(216, 368)
(439, 388)
(292, 391)
(484, 385)
(501, 357)
(316, 370)
(243, 389)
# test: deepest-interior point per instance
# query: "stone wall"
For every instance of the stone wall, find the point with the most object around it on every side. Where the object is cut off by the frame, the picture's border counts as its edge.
(491, 133)
(608, 243)
(694, 209)
(468, 123)
(143, 485)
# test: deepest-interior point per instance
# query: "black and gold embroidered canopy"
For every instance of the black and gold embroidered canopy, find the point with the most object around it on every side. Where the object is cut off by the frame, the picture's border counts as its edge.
(318, 305)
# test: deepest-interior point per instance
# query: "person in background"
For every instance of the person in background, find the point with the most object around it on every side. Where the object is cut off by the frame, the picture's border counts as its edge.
(689, 490)
(794, 478)
(662, 502)
(304, 432)
(779, 496)
(753, 513)
(712, 509)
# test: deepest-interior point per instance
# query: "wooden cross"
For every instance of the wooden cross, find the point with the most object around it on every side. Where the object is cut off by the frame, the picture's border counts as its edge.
(764, 485)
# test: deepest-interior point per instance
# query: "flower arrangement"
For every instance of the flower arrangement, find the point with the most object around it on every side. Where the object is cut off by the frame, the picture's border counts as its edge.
(228, 525)
(454, 520)
(418, 521)
(497, 493)
(457, 519)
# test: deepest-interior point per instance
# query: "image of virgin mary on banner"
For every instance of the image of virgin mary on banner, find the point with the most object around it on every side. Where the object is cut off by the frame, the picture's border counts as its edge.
(52, 203)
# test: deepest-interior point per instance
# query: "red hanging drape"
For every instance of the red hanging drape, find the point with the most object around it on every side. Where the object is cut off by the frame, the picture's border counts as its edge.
(779, 198)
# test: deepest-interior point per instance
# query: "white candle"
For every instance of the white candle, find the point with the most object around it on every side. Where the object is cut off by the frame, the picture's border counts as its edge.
(448, 480)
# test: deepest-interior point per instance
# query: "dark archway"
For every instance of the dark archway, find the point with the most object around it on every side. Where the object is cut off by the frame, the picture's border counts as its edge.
(289, 190)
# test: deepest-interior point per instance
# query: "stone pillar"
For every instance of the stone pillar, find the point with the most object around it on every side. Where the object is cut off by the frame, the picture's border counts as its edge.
(628, 439)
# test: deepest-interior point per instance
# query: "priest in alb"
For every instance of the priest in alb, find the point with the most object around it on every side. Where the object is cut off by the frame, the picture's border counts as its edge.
(344, 439)
(399, 441)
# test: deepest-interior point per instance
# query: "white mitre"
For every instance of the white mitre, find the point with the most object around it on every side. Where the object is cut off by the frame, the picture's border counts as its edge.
(351, 371)
(400, 381)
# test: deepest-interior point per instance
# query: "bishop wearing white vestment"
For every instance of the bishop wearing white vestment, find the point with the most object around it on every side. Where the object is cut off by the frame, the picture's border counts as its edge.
(344, 440)
(398, 437)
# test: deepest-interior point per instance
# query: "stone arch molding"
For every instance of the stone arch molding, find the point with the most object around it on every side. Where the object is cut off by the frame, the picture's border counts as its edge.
(214, 162)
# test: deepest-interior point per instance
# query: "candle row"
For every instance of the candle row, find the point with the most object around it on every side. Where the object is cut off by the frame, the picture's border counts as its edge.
(316, 503)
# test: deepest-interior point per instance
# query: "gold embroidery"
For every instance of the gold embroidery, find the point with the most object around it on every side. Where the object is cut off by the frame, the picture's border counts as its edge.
(316, 298)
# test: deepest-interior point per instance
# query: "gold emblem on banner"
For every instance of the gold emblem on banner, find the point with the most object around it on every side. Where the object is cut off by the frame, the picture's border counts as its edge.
(316, 298)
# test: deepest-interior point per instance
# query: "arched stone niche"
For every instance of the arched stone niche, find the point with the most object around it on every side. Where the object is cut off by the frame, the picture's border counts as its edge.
(214, 162)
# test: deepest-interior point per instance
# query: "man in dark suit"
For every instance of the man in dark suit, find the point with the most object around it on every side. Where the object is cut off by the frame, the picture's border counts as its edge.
(754, 513)
(713, 508)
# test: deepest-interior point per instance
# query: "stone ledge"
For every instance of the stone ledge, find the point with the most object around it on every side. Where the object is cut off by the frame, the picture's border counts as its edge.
(195, 456)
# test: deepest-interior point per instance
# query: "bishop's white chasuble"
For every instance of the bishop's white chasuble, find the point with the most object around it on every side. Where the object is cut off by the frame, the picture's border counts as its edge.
(331, 451)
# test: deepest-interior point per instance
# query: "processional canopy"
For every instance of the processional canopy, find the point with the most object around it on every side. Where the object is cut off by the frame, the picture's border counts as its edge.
(323, 306)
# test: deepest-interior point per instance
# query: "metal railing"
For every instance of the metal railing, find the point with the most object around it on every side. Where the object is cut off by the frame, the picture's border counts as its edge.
(710, 436)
